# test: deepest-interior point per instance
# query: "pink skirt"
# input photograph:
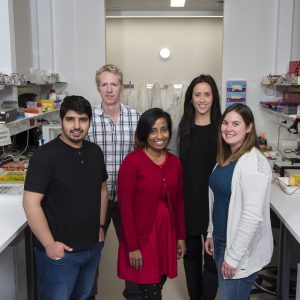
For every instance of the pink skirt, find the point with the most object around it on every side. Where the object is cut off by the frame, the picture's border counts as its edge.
(159, 253)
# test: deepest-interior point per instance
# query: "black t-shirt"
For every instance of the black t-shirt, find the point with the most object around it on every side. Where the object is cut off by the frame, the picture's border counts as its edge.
(197, 167)
(70, 179)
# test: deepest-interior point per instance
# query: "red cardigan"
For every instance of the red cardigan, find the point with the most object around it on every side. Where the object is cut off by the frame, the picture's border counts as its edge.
(140, 183)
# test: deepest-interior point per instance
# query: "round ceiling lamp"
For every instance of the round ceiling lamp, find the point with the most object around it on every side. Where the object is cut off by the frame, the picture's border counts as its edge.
(165, 53)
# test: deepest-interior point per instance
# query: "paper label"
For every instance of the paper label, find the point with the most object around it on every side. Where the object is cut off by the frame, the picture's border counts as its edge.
(4, 136)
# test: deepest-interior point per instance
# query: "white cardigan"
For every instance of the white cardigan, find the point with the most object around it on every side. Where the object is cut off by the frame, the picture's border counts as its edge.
(249, 244)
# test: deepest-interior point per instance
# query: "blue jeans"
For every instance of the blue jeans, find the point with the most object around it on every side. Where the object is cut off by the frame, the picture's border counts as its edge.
(71, 277)
(237, 289)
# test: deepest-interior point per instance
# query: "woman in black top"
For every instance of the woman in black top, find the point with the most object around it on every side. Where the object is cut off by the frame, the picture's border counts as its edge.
(197, 134)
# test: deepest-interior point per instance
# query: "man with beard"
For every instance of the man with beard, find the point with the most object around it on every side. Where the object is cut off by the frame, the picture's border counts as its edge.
(65, 201)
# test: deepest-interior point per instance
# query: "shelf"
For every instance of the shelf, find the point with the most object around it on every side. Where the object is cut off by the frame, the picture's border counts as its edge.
(31, 85)
(30, 121)
(287, 117)
(289, 87)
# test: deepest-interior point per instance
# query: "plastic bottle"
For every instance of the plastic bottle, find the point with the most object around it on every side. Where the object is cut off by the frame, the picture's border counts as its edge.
(52, 94)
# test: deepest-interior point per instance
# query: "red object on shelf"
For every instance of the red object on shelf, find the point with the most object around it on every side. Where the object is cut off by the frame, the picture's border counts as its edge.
(32, 110)
(294, 67)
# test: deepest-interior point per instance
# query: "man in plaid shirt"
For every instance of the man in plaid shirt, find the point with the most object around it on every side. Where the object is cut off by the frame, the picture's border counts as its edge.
(112, 128)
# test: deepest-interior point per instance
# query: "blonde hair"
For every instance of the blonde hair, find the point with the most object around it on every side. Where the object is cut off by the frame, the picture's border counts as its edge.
(109, 68)
(224, 153)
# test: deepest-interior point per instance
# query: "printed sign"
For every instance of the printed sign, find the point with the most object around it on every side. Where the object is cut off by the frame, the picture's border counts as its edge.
(235, 92)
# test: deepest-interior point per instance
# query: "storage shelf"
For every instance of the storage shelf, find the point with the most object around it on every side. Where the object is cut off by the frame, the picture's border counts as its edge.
(288, 87)
(31, 85)
(7, 92)
(30, 121)
(287, 117)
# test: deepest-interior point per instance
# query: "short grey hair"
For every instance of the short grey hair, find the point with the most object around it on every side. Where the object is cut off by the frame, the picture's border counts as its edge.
(109, 68)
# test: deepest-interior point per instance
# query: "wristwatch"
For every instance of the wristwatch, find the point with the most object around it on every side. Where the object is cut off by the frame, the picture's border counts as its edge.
(102, 226)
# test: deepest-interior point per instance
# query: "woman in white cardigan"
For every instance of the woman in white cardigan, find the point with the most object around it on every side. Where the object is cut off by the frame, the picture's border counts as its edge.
(239, 233)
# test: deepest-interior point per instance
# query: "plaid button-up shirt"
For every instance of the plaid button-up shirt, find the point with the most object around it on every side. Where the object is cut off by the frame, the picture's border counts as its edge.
(115, 140)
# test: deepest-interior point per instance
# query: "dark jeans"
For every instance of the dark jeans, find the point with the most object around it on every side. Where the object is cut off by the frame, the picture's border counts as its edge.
(70, 277)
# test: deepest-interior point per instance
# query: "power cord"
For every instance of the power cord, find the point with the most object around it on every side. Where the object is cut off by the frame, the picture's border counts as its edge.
(278, 139)
(281, 184)
(27, 141)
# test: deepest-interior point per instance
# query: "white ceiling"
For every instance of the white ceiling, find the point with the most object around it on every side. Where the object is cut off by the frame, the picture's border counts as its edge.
(162, 5)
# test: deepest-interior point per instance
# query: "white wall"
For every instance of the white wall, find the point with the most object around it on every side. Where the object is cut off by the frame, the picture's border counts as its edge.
(23, 36)
(296, 35)
(71, 41)
(257, 42)
(134, 44)
(79, 43)
(7, 49)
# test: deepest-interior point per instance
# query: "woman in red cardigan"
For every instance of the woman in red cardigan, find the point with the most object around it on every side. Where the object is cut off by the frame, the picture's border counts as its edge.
(151, 204)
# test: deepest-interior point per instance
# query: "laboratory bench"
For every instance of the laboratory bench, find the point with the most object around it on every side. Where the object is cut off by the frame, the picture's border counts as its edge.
(287, 209)
(16, 253)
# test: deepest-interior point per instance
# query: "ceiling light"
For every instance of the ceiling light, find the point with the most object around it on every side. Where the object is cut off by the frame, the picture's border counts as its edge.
(177, 3)
(165, 53)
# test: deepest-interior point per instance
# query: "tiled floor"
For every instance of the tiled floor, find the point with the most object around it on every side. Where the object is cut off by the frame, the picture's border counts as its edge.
(110, 287)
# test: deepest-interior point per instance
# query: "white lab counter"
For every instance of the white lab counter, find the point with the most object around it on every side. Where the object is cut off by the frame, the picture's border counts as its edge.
(14, 266)
(12, 219)
(287, 208)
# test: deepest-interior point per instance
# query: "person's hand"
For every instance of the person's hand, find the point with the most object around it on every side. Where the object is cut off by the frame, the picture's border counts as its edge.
(181, 249)
(56, 250)
(209, 246)
(136, 259)
(227, 270)
(101, 235)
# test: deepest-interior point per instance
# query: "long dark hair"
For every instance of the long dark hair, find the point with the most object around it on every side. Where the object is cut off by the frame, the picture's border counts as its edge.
(145, 124)
(251, 140)
(188, 118)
